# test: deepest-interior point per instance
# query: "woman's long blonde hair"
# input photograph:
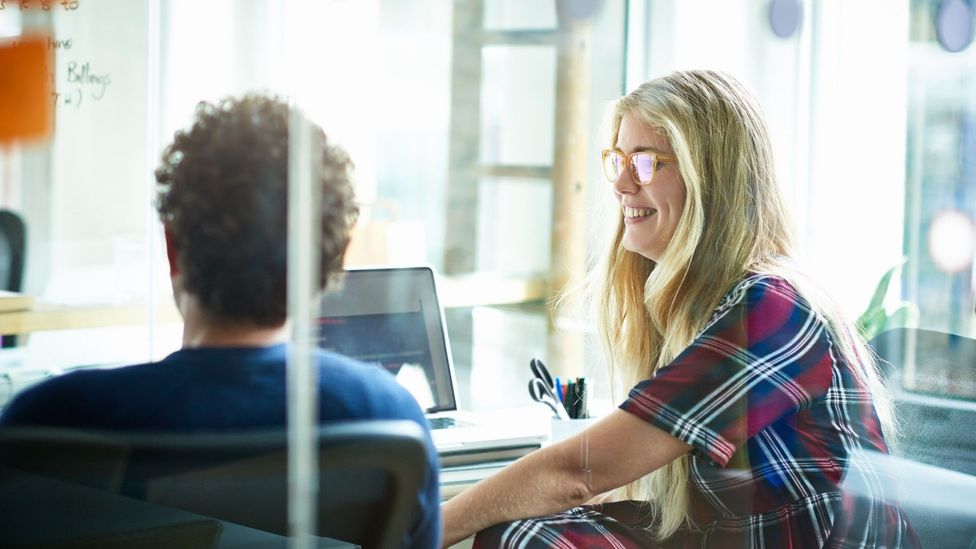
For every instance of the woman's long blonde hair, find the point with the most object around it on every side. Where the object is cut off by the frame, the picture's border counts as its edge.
(734, 221)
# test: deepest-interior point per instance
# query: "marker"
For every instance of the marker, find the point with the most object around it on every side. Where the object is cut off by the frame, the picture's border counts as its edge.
(559, 391)
(584, 407)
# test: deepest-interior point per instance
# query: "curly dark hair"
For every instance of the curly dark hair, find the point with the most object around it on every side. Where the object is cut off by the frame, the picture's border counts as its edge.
(223, 196)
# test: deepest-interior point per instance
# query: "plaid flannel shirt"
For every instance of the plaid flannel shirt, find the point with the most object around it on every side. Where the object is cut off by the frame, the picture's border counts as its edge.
(775, 418)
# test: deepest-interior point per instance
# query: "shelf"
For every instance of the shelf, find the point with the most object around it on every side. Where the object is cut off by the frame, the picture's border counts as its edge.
(45, 317)
(525, 172)
(456, 291)
(486, 289)
(527, 37)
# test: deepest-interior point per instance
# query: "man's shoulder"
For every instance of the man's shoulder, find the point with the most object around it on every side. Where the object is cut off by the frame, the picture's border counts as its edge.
(47, 401)
(368, 388)
(88, 377)
(345, 370)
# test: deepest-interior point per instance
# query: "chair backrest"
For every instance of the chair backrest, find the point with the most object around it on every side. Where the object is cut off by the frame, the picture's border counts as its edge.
(13, 243)
(370, 473)
(936, 431)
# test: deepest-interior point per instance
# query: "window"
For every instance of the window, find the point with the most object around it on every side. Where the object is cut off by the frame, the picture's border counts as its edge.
(940, 193)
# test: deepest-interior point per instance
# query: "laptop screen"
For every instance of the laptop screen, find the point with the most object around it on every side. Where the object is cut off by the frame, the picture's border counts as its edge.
(392, 317)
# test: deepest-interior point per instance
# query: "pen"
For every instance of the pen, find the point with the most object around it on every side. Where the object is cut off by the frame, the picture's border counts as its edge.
(559, 391)
(568, 403)
(576, 404)
(584, 408)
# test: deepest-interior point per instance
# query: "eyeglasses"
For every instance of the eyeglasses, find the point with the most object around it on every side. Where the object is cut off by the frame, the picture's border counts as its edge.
(642, 164)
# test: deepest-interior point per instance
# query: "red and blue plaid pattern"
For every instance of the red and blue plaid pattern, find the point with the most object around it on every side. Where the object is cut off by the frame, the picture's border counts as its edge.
(776, 419)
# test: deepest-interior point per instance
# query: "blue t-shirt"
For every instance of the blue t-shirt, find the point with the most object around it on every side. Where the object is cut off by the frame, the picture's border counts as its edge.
(215, 389)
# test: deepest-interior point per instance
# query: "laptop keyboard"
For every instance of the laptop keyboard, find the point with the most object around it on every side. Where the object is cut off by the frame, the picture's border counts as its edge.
(446, 423)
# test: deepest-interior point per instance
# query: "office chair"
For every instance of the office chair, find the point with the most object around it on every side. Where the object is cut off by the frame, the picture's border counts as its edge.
(370, 473)
(13, 244)
(936, 431)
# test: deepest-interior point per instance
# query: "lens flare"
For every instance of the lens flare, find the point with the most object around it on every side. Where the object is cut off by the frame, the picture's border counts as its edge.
(952, 241)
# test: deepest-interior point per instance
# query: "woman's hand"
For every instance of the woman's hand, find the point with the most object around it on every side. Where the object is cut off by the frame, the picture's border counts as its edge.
(618, 449)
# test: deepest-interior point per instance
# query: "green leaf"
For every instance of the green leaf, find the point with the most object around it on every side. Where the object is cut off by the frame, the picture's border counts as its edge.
(872, 322)
(905, 315)
(876, 319)
(877, 300)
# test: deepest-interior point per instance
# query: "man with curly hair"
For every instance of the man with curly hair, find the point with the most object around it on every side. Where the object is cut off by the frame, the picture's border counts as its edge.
(222, 199)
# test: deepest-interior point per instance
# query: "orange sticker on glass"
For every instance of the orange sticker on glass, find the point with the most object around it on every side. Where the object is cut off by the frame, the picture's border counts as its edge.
(26, 102)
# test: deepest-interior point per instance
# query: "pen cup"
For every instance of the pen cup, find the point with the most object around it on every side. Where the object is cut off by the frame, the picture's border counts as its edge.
(561, 429)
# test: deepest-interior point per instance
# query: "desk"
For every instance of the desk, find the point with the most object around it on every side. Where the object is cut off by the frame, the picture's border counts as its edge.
(454, 480)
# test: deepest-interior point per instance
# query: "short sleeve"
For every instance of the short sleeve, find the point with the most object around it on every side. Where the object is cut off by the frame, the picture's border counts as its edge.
(764, 355)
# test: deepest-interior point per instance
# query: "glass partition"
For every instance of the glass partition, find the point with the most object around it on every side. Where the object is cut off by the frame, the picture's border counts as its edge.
(92, 259)
(415, 95)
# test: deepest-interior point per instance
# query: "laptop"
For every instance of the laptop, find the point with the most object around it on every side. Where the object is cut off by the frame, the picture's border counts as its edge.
(392, 316)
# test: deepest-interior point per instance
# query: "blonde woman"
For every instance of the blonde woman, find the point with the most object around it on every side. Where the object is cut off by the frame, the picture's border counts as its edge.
(751, 394)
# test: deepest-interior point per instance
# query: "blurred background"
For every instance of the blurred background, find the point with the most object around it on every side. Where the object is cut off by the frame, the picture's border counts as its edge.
(475, 127)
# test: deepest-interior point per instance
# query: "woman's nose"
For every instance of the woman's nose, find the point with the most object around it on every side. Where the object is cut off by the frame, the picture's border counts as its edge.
(625, 183)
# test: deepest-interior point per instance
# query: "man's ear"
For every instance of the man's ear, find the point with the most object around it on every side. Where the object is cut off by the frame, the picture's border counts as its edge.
(172, 254)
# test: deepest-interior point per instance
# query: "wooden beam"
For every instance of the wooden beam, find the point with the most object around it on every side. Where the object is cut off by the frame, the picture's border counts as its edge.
(569, 169)
(461, 229)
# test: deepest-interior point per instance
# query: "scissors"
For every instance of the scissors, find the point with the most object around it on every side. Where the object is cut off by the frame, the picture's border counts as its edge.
(539, 371)
(541, 393)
